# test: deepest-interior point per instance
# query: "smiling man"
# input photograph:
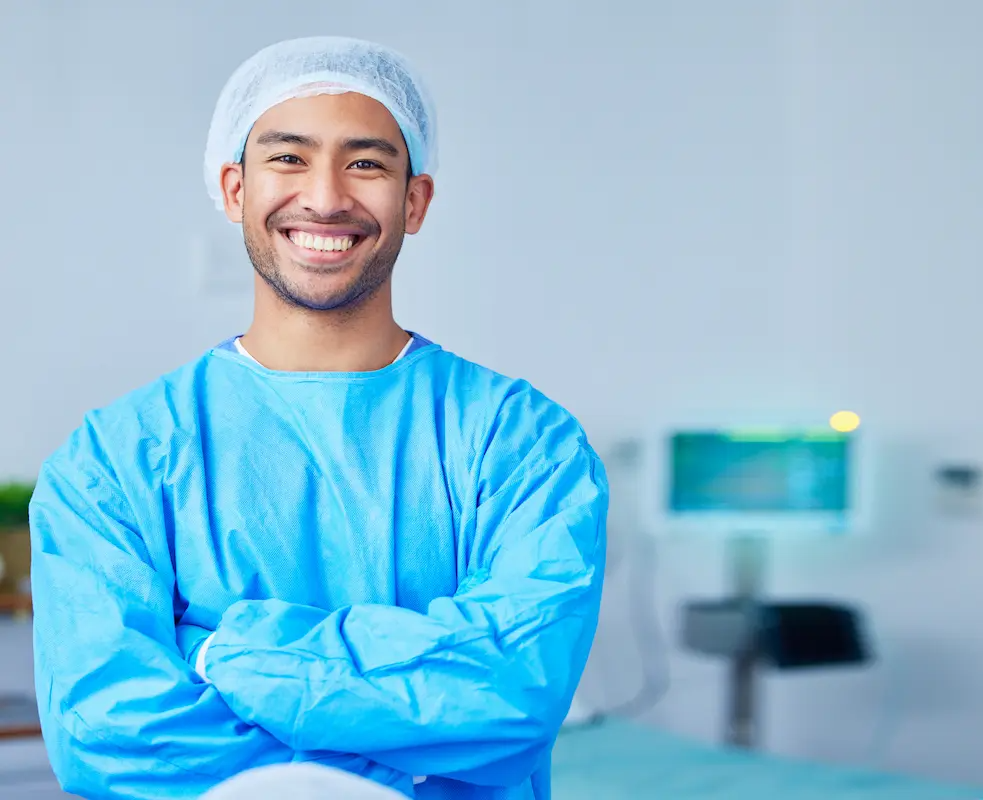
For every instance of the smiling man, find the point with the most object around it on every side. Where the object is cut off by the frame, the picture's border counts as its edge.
(327, 540)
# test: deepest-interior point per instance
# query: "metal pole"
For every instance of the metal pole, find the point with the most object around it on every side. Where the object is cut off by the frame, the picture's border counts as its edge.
(747, 562)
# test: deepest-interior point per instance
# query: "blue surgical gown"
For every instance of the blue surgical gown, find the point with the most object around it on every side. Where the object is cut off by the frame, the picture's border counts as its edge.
(402, 570)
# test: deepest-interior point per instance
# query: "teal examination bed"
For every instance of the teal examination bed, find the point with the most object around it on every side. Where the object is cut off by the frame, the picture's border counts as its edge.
(620, 760)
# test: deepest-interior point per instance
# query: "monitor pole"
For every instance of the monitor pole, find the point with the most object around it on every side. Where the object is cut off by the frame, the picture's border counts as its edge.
(746, 556)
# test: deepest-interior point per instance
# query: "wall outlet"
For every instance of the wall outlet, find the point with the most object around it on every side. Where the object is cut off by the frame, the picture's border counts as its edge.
(959, 489)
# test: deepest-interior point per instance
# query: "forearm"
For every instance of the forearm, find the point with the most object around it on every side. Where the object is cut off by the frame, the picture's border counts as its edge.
(176, 758)
(182, 758)
(473, 702)
(121, 712)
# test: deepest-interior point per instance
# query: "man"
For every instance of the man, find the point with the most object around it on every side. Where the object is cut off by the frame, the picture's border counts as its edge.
(327, 540)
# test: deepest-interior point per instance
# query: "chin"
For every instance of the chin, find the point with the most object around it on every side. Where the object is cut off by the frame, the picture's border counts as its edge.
(324, 294)
(318, 302)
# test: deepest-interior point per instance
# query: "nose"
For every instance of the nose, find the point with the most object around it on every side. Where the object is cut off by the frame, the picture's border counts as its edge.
(324, 193)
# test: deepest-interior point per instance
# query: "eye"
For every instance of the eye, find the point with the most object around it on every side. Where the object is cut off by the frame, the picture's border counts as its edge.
(366, 164)
(289, 159)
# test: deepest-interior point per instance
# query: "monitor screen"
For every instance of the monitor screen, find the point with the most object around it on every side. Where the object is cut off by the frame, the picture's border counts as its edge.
(789, 472)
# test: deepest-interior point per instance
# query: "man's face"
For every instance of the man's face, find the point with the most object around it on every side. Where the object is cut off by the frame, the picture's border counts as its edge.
(325, 200)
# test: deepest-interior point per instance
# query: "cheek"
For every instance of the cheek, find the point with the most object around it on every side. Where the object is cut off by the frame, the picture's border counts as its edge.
(265, 194)
(380, 201)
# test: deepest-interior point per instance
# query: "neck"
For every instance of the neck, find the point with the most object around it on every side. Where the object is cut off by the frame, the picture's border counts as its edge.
(290, 339)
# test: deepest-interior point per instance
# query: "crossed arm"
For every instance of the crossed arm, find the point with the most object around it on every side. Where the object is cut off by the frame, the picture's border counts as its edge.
(474, 689)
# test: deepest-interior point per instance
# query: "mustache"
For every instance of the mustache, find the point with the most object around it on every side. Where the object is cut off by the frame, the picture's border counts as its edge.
(365, 227)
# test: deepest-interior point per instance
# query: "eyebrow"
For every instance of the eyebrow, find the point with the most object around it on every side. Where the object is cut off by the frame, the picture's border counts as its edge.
(285, 137)
(371, 143)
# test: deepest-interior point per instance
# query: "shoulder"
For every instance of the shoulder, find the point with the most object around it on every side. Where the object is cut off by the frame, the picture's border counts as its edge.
(513, 421)
(133, 427)
(497, 395)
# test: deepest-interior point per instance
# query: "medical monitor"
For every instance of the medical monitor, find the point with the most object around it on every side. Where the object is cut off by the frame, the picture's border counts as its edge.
(772, 482)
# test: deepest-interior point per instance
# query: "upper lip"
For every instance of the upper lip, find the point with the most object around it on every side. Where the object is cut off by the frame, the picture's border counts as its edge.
(321, 230)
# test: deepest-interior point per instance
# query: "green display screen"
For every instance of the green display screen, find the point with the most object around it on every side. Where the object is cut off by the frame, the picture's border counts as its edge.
(760, 471)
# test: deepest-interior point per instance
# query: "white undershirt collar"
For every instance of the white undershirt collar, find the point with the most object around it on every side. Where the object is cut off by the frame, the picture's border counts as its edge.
(242, 350)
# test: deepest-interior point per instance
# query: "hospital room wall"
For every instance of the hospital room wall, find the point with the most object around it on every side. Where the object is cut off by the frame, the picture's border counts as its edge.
(649, 209)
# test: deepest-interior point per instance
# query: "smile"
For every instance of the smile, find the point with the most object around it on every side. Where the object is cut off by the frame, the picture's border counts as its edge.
(322, 244)
(316, 250)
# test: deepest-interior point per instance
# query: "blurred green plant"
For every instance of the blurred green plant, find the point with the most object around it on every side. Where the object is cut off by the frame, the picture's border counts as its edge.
(14, 501)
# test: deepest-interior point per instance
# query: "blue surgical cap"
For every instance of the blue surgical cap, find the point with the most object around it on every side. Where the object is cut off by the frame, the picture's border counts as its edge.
(319, 65)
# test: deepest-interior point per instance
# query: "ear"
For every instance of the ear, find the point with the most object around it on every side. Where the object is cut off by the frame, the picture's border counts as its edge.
(419, 193)
(232, 191)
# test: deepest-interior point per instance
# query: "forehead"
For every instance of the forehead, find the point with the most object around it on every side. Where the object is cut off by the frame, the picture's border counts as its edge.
(330, 117)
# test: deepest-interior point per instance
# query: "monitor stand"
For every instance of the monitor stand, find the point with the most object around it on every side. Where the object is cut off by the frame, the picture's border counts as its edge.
(751, 633)
(746, 555)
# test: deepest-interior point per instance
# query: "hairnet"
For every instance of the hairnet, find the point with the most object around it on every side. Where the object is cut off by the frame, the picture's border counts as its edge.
(319, 65)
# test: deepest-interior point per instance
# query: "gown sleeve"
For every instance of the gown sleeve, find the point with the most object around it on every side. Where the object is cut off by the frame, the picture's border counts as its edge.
(122, 713)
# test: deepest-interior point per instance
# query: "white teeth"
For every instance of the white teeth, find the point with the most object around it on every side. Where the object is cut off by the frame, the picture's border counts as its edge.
(324, 244)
